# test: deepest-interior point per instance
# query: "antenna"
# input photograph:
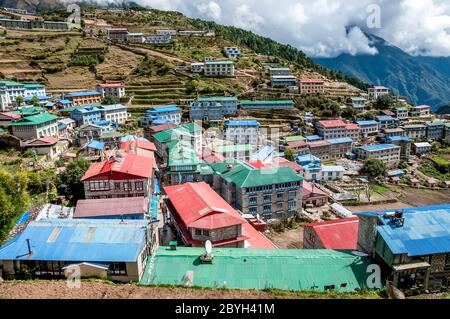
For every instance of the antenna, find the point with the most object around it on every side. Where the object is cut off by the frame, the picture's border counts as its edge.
(208, 247)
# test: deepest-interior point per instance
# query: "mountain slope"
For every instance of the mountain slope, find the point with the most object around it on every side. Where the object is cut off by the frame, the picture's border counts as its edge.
(424, 80)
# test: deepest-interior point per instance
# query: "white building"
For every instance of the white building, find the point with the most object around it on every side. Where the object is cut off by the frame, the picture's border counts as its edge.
(158, 39)
(283, 80)
(358, 103)
(219, 68)
(377, 91)
(422, 148)
(13, 89)
(135, 38)
(369, 127)
(5, 101)
(166, 32)
(114, 89)
(116, 113)
(197, 67)
(279, 71)
(34, 90)
(242, 131)
(35, 126)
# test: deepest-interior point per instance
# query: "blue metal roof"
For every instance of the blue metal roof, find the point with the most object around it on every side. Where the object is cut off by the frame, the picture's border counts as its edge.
(132, 138)
(377, 147)
(368, 122)
(426, 231)
(87, 109)
(164, 109)
(78, 94)
(96, 145)
(101, 122)
(309, 158)
(313, 138)
(241, 123)
(79, 240)
(385, 118)
(340, 140)
(398, 138)
(63, 101)
(40, 97)
(157, 188)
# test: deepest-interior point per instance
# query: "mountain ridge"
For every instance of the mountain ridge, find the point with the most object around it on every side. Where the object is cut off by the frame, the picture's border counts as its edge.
(423, 80)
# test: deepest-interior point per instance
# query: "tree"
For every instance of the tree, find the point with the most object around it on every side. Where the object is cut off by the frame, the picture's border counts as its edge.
(110, 99)
(13, 199)
(68, 183)
(289, 154)
(35, 101)
(19, 100)
(374, 168)
(384, 102)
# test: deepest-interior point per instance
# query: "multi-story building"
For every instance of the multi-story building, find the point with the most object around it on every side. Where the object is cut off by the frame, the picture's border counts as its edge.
(117, 34)
(369, 127)
(242, 131)
(13, 89)
(267, 105)
(279, 71)
(402, 113)
(390, 132)
(83, 98)
(242, 152)
(112, 89)
(320, 149)
(86, 115)
(283, 81)
(358, 103)
(422, 148)
(314, 171)
(197, 67)
(388, 153)
(115, 113)
(34, 89)
(7, 118)
(377, 91)
(416, 132)
(183, 163)
(34, 24)
(420, 111)
(35, 126)
(213, 108)
(219, 68)
(412, 243)
(162, 115)
(122, 175)
(339, 147)
(166, 32)
(447, 132)
(193, 33)
(337, 129)
(158, 38)
(200, 214)
(405, 145)
(269, 193)
(312, 87)
(232, 52)
(435, 130)
(299, 147)
(386, 121)
(5, 101)
(136, 38)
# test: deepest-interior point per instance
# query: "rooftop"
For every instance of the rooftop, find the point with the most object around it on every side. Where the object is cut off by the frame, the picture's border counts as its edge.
(271, 102)
(367, 122)
(175, 132)
(241, 123)
(95, 208)
(384, 118)
(217, 98)
(332, 123)
(35, 119)
(78, 240)
(340, 234)
(378, 147)
(113, 107)
(340, 140)
(287, 269)
(80, 94)
(163, 109)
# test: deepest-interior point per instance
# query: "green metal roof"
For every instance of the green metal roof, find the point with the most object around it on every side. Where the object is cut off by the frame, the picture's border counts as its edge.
(241, 268)
(233, 148)
(222, 167)
(35, 119)
(292, 138)
(68, 109)
(245, 175)
(30, 110)
(10, 83)
(172, 133)
(112, 134)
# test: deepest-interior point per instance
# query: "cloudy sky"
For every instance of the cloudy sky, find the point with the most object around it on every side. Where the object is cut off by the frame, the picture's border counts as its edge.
(327, 28)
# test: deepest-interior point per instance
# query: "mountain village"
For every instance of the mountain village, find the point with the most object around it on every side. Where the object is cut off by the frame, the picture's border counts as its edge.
(198, 189)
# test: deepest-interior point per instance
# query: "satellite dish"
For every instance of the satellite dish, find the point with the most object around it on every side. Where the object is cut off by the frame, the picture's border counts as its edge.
(208, 247)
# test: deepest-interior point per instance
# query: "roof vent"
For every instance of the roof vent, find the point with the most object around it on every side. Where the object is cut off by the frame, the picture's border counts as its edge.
(397, 218)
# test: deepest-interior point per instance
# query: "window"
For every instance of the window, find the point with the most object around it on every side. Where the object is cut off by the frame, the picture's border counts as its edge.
(253, 200)
(447, 262)
(267, 209)
(267, 199)
(292, 195)
(127, 186)
(118, 269)
(139, 186)
(205, 232)
(198, 232)
(99, 186)
(117, 186)
(280, 195)
(252, 210)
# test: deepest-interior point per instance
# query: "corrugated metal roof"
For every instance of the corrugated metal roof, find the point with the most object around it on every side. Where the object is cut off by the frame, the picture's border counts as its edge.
(294, 269)
(79, 240)
(340, 234)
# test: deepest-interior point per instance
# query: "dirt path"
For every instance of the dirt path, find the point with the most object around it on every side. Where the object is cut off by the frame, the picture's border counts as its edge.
(96, 289)
(290, 239)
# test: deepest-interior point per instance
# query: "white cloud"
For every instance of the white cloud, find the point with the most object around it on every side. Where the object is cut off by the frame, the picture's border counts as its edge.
(330, 27)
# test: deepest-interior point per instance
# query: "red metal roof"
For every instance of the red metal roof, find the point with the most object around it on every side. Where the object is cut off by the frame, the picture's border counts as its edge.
(318, 144)
(11, 115)
(197, 205)
(282, 162)
(309, 191)
(352, 126)
(312, 81)
(213, 157)
(332, 123)
(162, 127)
(123, 166)
(339, 234)
(387, 112)
(296, 144)
(110, 207)
(130, 145)
(43, 141)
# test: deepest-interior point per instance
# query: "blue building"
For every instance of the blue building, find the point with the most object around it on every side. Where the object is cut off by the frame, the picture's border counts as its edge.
(86, 115)
(232, 52)
(161, 115)
(112, 249)
(386, 121)
(213, 108)
(242, 131)
(368, 127)
(413, 243)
